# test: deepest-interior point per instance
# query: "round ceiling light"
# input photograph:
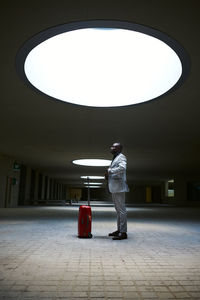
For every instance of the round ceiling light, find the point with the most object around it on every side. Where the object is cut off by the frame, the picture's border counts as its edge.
(92, 162)
(93, 177)
(103, 63)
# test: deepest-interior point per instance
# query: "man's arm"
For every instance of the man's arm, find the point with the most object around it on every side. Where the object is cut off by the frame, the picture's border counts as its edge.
(120, 168)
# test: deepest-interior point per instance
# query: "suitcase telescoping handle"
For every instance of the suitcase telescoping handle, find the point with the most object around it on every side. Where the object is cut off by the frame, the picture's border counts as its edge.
(88, 219)
(88, 180)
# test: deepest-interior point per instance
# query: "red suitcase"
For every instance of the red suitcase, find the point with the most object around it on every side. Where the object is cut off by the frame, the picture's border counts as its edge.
(84, 222)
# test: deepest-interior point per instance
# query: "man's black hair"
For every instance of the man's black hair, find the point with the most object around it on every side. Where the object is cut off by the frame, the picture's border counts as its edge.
(120, 146)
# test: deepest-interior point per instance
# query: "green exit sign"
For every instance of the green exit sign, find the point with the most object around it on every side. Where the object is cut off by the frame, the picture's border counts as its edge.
(16, 167)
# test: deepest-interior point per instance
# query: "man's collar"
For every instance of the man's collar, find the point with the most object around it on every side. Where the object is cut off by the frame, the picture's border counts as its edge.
(115, 155)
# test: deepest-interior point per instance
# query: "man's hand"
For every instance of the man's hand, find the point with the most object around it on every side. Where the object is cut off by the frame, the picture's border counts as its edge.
(106, 175)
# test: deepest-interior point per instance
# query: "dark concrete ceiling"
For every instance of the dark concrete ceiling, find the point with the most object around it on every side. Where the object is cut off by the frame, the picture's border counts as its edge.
(161, 138)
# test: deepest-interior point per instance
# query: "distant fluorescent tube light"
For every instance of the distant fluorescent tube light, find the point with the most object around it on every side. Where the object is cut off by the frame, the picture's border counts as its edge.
(93, 183)
(93, 177)
(93, 186)
(103, 63)
(92, 162)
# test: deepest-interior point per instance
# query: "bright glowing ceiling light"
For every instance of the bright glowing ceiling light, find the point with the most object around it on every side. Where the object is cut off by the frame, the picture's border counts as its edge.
(92, 162)
(93, 183)
(103, 63)
(94, 187)
(93, 177)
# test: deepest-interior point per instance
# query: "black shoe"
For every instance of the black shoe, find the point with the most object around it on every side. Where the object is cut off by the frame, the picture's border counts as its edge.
(121, 236)
(115, 233)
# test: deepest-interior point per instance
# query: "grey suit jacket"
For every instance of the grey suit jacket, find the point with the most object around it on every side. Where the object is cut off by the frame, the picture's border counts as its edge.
(117, 175)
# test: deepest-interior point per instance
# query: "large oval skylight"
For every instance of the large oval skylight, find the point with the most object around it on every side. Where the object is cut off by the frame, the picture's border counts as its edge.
(103, 66)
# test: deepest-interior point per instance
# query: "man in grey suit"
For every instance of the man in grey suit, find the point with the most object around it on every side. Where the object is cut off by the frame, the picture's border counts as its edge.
(116, 175)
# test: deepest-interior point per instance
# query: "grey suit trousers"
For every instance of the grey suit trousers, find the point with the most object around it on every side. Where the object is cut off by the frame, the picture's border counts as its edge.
(120, 207)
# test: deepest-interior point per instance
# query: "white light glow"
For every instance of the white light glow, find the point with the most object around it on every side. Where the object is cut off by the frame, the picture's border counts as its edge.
(93, 187)
(93, 183)
(103, 67)
(92, 162)
(93, 177)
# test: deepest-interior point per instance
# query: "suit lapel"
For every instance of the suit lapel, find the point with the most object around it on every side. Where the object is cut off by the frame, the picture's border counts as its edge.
(115, 159)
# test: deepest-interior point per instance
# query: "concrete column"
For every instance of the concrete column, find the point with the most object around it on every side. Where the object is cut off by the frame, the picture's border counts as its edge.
(43, 186)
(59, 191)
(164, 192)
(65, 191)
(180, 191)
(52, 189)
(28, 185)
(36, 186)
(48, 188)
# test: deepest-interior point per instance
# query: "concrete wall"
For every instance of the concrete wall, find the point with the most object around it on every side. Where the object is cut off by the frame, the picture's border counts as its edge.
(12, 183)
(9, 182)
(136, 194)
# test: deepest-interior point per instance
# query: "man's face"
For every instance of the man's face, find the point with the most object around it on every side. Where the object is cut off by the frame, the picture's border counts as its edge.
(115, 148)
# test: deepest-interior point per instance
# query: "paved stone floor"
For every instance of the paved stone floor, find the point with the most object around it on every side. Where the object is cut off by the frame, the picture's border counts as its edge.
(42, 258)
